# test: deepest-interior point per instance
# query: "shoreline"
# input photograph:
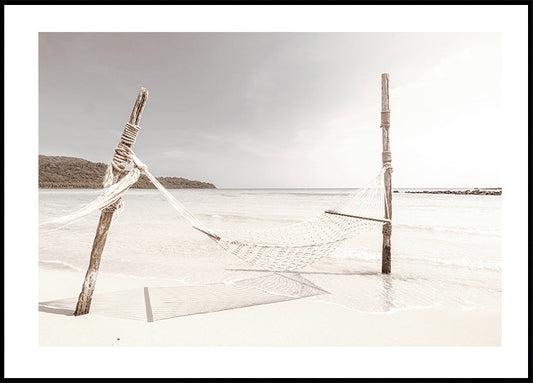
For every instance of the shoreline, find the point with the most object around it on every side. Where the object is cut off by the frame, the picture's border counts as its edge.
(475, 191)
(300, 322)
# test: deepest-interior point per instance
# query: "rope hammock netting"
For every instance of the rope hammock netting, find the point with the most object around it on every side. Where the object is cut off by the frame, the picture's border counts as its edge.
(289, 247)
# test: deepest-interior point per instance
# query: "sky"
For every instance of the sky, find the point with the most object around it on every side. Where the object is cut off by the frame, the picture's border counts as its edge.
(279, 110)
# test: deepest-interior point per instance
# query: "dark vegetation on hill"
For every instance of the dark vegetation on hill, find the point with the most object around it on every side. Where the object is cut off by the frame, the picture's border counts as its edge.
(58, 172)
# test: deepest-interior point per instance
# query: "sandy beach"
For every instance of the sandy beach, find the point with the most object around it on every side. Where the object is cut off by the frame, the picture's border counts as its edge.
(445, 288)
(311, 323)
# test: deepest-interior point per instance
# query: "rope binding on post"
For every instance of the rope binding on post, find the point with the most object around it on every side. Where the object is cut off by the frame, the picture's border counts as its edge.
(386, 158)
(123, 151)
(385, 120)
(121, 158)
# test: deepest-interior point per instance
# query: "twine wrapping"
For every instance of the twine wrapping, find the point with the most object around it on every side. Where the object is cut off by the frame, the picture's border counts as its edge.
(386, 159)
(385, 120)
(121, 158)
(122, 155)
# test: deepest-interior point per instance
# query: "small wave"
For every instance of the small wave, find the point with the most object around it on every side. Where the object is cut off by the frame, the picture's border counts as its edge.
(359, 254)
(491, 265)
(53, 264)
(450, 229)
(133, 276)
(323, 194)
(59, 265)
(374, 256)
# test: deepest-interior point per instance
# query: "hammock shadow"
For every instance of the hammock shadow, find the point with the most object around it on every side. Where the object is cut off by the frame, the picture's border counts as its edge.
(385, 280)
(151, 304)
(55, 310)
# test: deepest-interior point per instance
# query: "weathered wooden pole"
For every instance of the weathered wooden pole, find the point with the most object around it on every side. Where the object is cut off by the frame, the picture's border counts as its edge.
(119, 163)
(386, 160)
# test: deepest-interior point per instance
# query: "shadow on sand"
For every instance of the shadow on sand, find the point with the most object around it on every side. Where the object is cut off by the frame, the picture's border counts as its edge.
(55, 310)
(386, 280)
(157, 303)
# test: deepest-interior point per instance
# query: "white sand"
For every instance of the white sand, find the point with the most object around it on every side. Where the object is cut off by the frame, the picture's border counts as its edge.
(299, 323)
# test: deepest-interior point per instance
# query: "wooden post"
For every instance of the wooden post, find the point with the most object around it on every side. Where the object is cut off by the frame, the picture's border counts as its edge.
(85, 298)
(386, 160)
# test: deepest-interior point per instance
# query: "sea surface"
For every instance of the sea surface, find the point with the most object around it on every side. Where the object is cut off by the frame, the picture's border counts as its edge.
(446, 249)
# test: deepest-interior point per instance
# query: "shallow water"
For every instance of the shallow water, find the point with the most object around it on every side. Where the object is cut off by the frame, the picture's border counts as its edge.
(446, 248)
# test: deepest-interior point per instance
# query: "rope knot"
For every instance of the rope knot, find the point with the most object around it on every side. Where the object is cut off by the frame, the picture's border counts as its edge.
(387, 229)
(385, 120)
(138, 163)
(122, 155)
(386, 159)
(114, 206)
(129, 135)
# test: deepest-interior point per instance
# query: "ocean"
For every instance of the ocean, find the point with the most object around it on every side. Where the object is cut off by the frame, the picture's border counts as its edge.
(446, 249)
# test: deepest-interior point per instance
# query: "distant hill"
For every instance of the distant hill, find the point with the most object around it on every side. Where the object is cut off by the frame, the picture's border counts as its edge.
(58, 172)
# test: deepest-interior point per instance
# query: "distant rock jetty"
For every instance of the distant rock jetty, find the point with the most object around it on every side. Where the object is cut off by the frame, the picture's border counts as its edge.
(475, 191)
(58, 172)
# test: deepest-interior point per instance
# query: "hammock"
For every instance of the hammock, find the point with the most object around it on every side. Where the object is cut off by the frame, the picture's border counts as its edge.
(289, 247)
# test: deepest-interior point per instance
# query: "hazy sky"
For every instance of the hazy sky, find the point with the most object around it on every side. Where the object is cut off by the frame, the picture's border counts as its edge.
(279, 109)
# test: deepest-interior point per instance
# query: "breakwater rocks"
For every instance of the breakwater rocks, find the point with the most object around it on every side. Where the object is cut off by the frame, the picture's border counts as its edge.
(475, 191)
